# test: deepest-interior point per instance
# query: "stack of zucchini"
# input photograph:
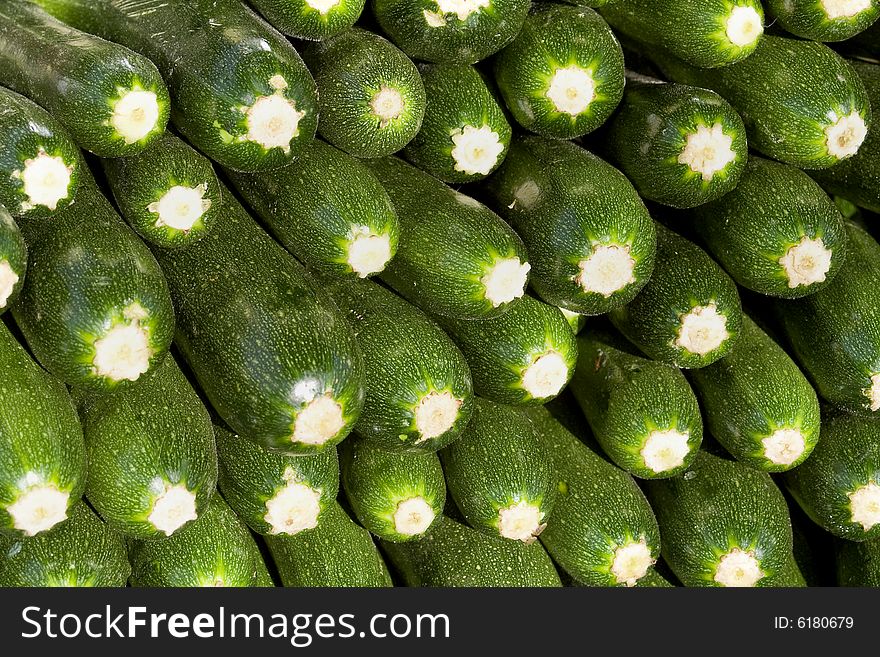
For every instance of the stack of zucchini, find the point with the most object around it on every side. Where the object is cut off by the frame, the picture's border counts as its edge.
(475, 293)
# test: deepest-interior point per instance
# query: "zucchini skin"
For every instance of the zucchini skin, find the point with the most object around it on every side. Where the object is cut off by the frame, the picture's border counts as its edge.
(566, 203)
(302, 20)
(555, 37)
(808, 20)
(253, 326)
(81, 552)
(858, 564)
(13, 260)
(773, 208)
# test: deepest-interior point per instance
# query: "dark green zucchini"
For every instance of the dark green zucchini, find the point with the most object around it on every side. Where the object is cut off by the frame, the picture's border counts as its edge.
(13, 260)
(314, 20)
(824, 20)
(858, 564)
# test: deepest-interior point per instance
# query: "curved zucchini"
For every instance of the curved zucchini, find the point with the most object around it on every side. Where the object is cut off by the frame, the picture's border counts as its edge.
(824, 20)
(858, 564)
(314, 20)
(13, 260)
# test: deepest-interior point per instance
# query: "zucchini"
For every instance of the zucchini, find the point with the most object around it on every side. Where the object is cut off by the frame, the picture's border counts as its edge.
(371, 97)
(465, 134)
(275, 493)
(800, 101)
(590, 236)
(454, 555)
(336, 553)
(689, 313)
(681, 146)
(602, 531)
(562, 76)
(858, 564)
(314, 20)
(643, 413)
(824, 20)
(503, 483)
(575, 320)
(81, 552)
(458, 259)
(13, 260)
(395, 496)
(111, 100)
(418, 386)
(525, 356)
(777, 233)
(328, 210)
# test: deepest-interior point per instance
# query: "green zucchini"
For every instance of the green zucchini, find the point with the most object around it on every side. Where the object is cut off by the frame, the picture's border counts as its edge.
(525, 356)
(336, 553)
(111, 100)
(454, 555)
(39, 161)
(643, 413)
(503, 483)
(465, 134)
(13, 260)
(562, 76)
(575, 320)
(268, 348)
(81, 552)
(824, 20)
(590, 236)
(456, 257)
(275, 493)
(681, 146)
(865, 44)
(777, 233)
(395, 496)
(689, 313)
(419, 394)
(328, 210)
(314, 20)
(371, 97)
(800, 101)
(858, 564)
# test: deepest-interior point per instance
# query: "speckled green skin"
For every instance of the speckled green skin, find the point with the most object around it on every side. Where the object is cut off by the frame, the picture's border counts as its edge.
(216, 56)
(835, 333)
(26, 130)
(496, 463)
(259, 335)
(753, 391)
(13, 251)
(349, 69)
(784, 93)
(39, 430)
(447, 241)
(684, 277)
(625, 397)
(376, 481)
(649, 132)
(75, 76)
(809, 20)
(406, 356)
(158, 429)
(500, 349)
(317, 205)
(865, 43)
(457, 96)
(561, 198)
(454, 555)
(251, 475)
(81, 552)
(297, 19)
(336, 553)
(140, 180)
(847, 457)
(598, 506)
(858, 564)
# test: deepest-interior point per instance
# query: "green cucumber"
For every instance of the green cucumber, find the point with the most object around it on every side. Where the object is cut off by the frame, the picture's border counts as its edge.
(275, 493)
(590, 236)
(454, 555)
(456, 257)
(465, 134)
(168, 194)
(328, 210)
(268, 348)
(801, 102)
(111, 100)
(681, 146)
(689, 313)
(418, 386)
(562, 76)
(643, 413)
(13, 260)
(39, 163)
(824, 20)
(81, 552)
(503, 483)
(336, 553)
(395, 496)
(371, 97)
(858, 564)
(314, 20)
(777, 233)
(525, 356)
